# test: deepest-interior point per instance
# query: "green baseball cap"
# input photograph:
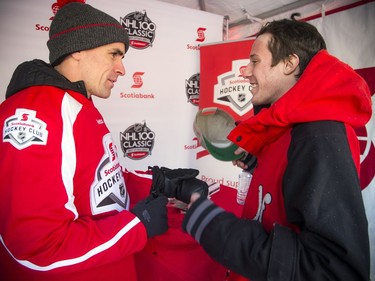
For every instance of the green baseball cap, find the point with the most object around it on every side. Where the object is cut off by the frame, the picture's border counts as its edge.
(212, 126)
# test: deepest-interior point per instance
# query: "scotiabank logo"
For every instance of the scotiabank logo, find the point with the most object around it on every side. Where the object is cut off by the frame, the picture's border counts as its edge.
(200, 38)
(55, 7)
(137, 79)
(136, 92)
(200, 32)
(45, 27)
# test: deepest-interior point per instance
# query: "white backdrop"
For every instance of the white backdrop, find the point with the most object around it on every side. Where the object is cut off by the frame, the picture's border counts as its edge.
(155, 97)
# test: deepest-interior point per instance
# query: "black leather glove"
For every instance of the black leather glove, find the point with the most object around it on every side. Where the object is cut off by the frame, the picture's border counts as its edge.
(153, 214)
(177, 183)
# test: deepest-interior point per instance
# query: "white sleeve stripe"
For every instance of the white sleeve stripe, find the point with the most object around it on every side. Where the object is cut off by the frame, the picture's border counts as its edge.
(89, 254)
(141, 175)
(69, 111)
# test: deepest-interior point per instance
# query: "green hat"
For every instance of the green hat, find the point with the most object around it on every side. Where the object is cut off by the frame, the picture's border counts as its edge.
(212, 126)
(78, 26)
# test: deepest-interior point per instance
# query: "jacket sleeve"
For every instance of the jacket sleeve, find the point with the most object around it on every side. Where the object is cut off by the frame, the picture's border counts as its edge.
(322, 198)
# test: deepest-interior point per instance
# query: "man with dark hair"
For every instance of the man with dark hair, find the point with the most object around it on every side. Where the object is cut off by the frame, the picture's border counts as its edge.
(303, 218)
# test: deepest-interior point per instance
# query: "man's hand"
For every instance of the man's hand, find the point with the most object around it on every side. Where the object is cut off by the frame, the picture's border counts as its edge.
(177, 183)
(152, 212)
(248, 162)
(240, 163)
(194, 197)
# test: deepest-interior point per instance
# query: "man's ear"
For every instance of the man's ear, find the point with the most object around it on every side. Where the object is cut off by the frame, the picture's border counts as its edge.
(76, 55)
(291, 64)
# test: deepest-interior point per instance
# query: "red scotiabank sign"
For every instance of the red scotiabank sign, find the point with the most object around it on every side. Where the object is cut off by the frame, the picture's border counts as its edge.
(221, 82)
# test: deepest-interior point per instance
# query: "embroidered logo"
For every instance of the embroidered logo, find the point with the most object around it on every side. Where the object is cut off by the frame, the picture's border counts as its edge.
(24, 129)
(108, 192)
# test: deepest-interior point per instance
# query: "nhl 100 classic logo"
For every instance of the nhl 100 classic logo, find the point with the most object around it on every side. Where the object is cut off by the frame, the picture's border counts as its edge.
(140, 28)
(192, 86)
(137, 141)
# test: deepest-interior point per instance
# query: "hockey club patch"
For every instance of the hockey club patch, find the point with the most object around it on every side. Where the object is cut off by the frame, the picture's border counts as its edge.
(233, 90)
(23, 129)
(108, 192)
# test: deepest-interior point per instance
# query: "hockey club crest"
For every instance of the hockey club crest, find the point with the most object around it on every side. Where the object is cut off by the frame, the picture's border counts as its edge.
(24, 129)
(108, 192)
(233, 90)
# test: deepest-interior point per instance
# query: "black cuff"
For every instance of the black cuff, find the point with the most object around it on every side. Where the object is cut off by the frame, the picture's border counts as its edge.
(200, 214)
(284, 248)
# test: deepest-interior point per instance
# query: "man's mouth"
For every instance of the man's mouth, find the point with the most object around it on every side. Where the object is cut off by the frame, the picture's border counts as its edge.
(252, 86)
(112, 81)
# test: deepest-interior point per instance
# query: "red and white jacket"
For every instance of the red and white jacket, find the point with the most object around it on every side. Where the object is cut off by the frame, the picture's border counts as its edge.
(304, 217)
(63, 200)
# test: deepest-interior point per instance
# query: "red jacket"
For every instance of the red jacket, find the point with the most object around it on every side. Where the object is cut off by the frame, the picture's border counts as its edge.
(304, 217)
(63, 200)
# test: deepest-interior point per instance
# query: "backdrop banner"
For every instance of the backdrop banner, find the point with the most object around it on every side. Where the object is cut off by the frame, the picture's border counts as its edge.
(151, 109)
(222, 82)
(223, 86)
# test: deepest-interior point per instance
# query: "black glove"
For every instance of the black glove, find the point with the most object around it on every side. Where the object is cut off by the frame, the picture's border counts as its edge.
(153, 214)
(177, 183)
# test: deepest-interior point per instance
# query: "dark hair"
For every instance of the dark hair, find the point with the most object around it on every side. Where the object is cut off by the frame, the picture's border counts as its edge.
(293, 37)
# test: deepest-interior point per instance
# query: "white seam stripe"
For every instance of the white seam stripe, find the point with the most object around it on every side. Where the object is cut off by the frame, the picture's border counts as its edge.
(80, 259)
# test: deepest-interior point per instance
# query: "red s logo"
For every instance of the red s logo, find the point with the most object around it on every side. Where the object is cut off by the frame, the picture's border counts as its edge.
(137, 79)
(25, 117)
(201, 36)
